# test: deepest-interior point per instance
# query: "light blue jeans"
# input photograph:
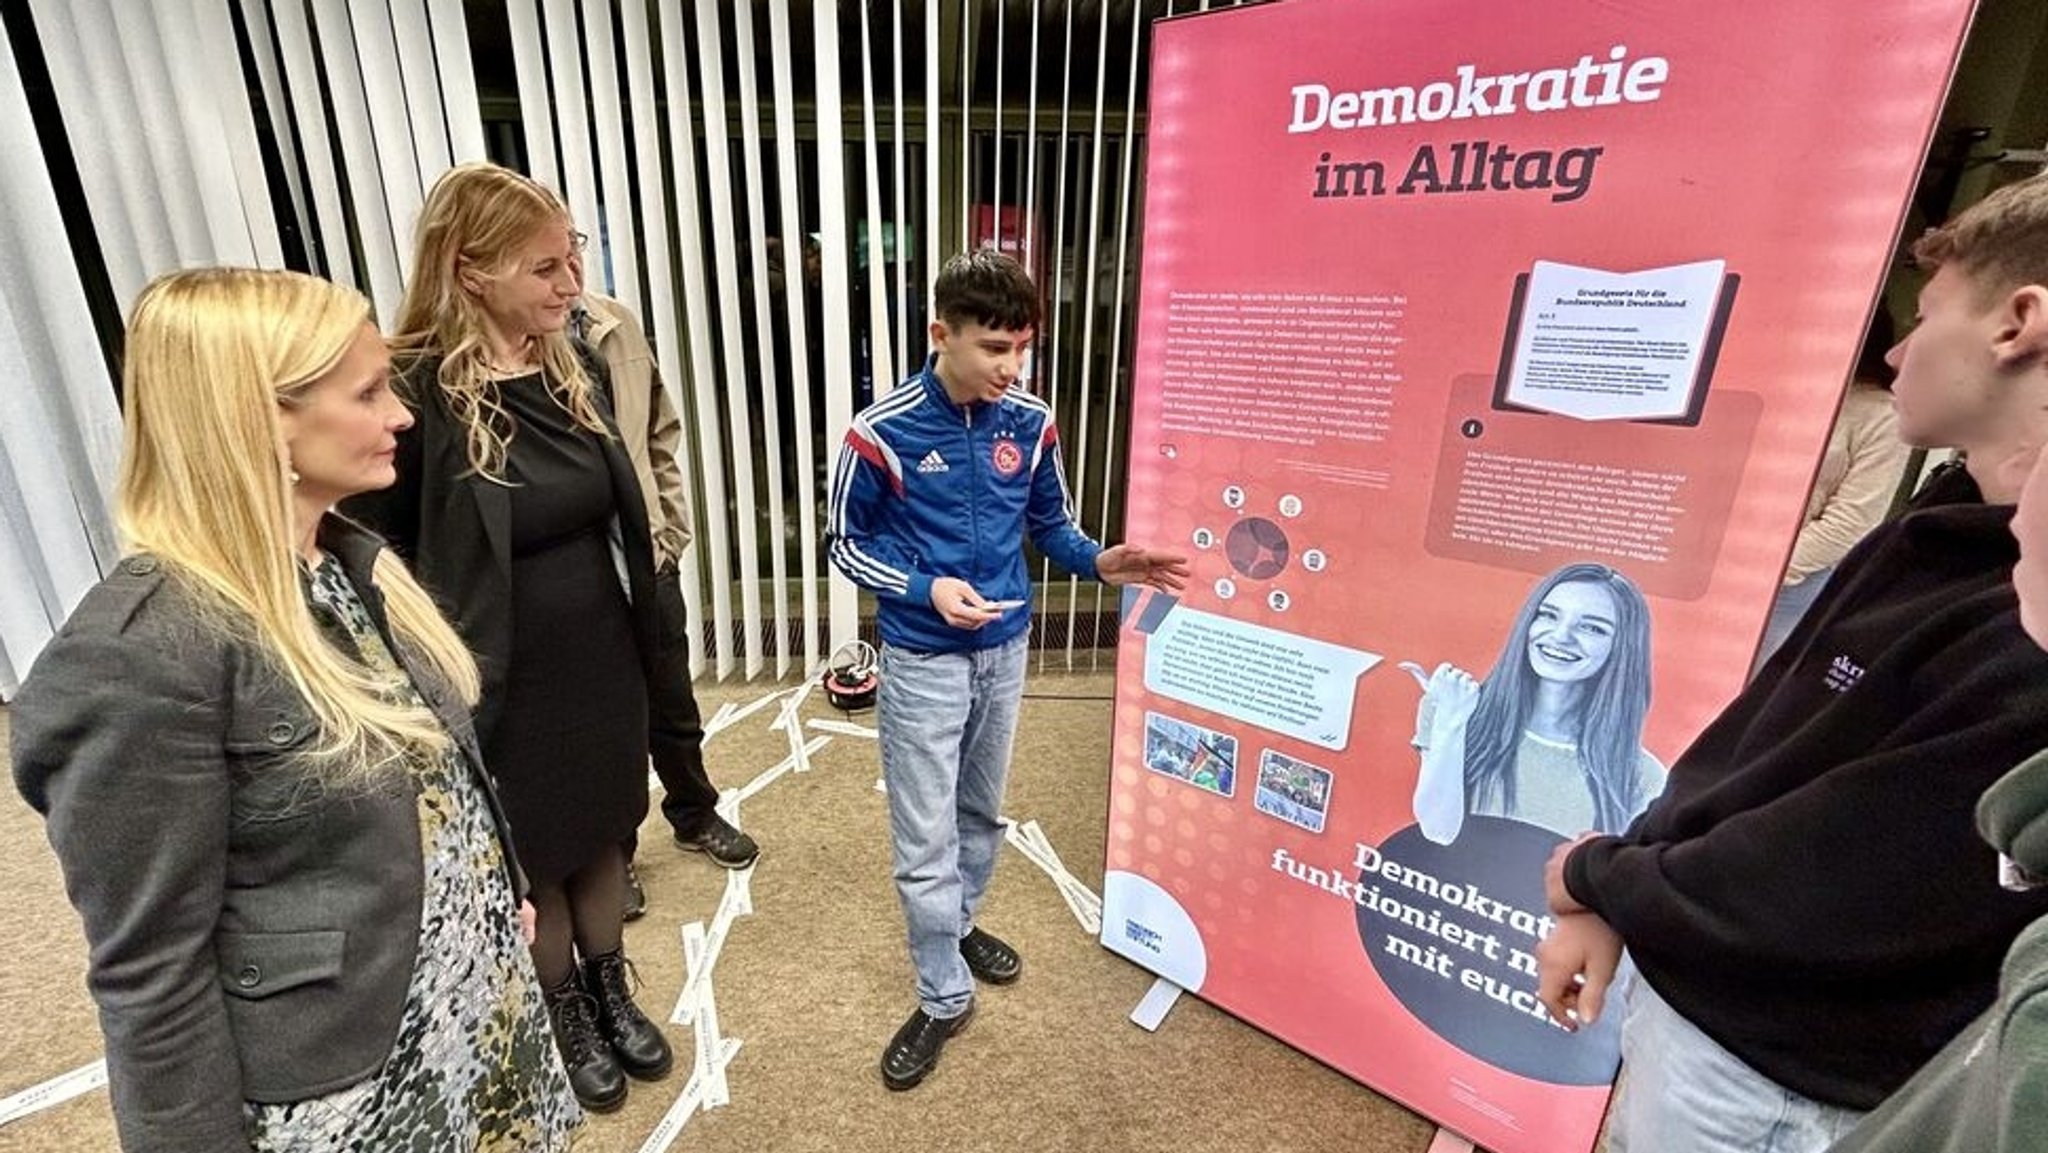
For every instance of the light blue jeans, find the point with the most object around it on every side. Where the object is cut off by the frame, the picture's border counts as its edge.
(1683, 1093)
(946, 722)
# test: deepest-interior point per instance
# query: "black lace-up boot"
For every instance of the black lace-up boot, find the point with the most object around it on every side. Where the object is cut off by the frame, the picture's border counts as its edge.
(637, 1042)
(594, 1073)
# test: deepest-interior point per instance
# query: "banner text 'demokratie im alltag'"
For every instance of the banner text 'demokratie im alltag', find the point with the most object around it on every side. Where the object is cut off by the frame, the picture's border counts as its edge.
(1485, 355)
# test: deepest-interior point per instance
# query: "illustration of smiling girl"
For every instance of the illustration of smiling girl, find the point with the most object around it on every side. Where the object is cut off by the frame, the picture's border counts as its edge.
(1553, 736)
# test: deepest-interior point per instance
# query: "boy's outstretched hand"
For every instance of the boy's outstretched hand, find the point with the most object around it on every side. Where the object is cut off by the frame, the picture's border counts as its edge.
(1126, 564)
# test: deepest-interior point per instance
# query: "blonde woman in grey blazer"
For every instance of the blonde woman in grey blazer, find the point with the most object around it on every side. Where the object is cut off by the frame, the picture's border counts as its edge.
(252, 745)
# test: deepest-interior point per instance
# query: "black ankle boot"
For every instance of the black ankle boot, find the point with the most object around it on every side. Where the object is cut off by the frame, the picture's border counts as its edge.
(637, 1042)
(594, 1073)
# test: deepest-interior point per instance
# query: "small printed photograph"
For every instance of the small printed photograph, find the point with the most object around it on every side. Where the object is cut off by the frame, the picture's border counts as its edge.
(1202, 757)
(1294, 791)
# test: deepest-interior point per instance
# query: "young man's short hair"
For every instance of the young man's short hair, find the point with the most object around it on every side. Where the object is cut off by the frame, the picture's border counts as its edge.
(2000, 242)
(985, 287)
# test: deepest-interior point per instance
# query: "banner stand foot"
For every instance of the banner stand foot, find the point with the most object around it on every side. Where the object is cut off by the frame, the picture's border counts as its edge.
(1152, 1008)
(1449, 1142)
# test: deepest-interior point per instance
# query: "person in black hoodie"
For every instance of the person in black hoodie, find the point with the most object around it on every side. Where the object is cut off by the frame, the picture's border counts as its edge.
(1807, 905)
(1987, 1092)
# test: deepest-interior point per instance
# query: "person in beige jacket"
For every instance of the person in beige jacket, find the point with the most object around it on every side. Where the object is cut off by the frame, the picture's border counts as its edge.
(653, 431)
(1853, 491)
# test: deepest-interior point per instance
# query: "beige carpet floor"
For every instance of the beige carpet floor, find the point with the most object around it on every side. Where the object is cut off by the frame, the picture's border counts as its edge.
(816, 980)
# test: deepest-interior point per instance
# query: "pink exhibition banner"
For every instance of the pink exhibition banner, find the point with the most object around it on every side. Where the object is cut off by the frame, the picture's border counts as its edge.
(1485, 356)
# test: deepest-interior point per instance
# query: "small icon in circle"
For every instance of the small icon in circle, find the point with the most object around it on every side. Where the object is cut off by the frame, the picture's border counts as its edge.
(1278, 600)
(1313, 560)
(1233, 497)
(1226, 588)
(1204, 538)
(1290, 505)
(1471, 429)
(1168, 451)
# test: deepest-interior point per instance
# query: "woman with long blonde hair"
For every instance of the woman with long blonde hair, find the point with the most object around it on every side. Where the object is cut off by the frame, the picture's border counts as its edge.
(519, 509)
(252, 745)
(1553, 735)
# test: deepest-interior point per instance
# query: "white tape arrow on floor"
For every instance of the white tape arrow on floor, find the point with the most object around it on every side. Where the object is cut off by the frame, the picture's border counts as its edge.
(728, 715)
(55, 1091)
(798, 757)
(1030, 840)
(844, 729)
(688, 1101)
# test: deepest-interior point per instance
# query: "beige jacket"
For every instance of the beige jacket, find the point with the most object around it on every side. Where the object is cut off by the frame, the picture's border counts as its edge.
(1857, 478)
(647, 421)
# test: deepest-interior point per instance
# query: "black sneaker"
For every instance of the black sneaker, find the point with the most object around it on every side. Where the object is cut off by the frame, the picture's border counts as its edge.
(721, 842)
(636, 897)
(989, 958)
(914, 1051)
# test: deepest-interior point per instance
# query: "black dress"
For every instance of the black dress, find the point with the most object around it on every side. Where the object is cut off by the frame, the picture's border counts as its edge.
(569, 750)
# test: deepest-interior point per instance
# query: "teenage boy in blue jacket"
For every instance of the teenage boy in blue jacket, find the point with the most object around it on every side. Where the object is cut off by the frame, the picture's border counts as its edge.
(935, 488)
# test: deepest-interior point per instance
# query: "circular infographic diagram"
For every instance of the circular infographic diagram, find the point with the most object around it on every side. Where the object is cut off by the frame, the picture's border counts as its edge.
(1257, 548)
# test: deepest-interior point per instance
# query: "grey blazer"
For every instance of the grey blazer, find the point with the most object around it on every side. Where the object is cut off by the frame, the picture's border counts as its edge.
(251, 938)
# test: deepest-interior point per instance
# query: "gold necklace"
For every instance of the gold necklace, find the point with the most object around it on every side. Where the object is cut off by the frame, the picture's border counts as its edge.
(501, 372)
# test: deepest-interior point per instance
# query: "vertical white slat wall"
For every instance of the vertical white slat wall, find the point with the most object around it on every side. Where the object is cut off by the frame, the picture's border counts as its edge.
(907, 352)
(399, 171)
(714, 542)
(1049, 381)
(383, 254)
(61, 436)
(1029, 240)
(881, 364)
(154, 106)
(369, 100)
(1083, 457)
(172, 159)
(618, 257)
(413, 40)
(577, 180)
(131, 103)
(529, 67)
(327, 235)
(662, 310)
(995, 180)
(1117, 368)
(214, 108)
(795, 240)
(928, 237)
(767, 381)
(736, 353)
(461, 113)
(836, 325)
(965, 82)
(95, 101)
(256, 17)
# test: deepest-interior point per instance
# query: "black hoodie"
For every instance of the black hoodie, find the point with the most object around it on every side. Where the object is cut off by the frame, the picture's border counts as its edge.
(1810, 890)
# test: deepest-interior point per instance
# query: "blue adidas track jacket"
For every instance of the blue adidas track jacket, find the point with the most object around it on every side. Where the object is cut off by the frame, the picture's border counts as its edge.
(926, 488)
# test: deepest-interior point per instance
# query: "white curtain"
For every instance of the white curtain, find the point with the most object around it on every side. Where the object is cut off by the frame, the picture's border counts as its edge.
(60, 432)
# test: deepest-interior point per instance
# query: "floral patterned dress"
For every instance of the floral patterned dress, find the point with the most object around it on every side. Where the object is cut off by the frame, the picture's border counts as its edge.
(475, 1065)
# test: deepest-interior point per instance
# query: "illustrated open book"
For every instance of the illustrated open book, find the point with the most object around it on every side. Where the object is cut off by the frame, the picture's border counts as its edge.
(1599, 345)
